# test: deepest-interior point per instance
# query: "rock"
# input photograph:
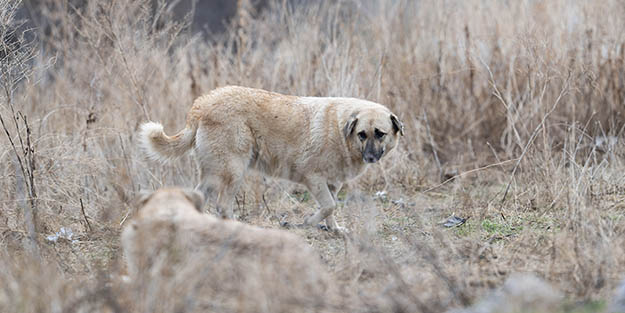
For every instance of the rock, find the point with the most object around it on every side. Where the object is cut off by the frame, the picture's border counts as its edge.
(617, 305)
(520, 293)
(454, 221)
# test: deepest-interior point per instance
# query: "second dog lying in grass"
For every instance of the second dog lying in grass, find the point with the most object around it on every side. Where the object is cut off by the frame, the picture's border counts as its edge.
(175, 253)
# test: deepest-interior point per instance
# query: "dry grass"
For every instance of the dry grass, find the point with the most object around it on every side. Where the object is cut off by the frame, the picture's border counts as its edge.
(524, 91)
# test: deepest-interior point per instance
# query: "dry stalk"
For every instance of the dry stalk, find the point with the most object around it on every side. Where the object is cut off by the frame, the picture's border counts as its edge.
(563, 91)
(16, 55)
(84, 215)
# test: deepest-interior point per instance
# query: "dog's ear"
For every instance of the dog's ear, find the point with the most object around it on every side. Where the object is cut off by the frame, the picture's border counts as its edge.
(350, 125)
(398, 126)
(195, 197)
(143, 197)
(140, 200)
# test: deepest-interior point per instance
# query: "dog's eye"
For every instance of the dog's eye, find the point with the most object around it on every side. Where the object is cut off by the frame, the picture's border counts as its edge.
(362, 135)
(379, 134)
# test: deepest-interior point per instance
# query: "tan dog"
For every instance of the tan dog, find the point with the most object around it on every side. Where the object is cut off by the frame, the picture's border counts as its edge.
(317, 142)
(169, 244)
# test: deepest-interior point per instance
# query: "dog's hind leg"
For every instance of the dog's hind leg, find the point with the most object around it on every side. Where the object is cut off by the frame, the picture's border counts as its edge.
(224, 156)
(208, 186)
(221, 185)
(231, 182)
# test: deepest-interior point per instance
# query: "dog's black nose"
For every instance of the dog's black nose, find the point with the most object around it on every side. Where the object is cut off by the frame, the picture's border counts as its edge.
(371, 158)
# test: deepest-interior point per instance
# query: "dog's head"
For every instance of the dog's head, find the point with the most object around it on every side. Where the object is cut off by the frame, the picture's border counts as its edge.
(151, 203)
(372, 132)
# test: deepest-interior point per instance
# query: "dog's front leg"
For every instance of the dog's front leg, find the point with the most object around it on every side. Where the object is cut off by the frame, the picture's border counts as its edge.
(330, 221)
(320, 191)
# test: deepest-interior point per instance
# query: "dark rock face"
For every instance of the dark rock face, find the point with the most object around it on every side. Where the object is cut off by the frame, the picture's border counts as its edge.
(210, 17)
(617, 305)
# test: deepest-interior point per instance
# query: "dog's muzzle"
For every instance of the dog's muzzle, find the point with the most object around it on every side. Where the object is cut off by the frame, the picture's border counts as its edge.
(370, 155)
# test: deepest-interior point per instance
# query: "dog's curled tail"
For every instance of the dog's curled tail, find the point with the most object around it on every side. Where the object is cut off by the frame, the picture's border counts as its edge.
(160, 147)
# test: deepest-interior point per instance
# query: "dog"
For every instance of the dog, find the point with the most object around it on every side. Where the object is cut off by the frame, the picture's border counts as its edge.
(171, 245)
(314, 141)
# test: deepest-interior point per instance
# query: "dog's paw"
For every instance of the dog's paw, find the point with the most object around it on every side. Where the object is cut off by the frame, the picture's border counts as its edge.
(323, 227)
(335, 231)
(338, 230)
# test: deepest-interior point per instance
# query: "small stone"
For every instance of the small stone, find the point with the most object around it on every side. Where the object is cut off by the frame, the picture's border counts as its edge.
(454, 221)
(617, 305)
(520, 293)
